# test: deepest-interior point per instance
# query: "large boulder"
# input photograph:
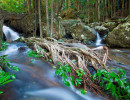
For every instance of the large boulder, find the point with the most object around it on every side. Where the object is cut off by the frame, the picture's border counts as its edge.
(83, 32)
(76, 30)
(110, 25)
(103, 28)
(25, 25)
(120, 36)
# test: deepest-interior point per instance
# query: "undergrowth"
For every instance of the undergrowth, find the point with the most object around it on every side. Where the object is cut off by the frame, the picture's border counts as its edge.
(5, 77)
(112, 83)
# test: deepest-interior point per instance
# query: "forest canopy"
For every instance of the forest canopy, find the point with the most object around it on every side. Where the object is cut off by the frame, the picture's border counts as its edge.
(99, 10)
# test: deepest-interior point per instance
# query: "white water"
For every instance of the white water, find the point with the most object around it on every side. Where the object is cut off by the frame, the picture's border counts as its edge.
(10, 34)
(98, 40)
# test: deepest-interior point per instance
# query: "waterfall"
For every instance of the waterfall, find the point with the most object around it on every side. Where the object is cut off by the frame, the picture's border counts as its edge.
(98, 40)
(10, 34)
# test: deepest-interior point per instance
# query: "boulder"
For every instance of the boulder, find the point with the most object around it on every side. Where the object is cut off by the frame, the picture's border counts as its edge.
(110, 25)
(103, 28)
(25, 25)
(120, 36)
(76, 30)
(83, 32)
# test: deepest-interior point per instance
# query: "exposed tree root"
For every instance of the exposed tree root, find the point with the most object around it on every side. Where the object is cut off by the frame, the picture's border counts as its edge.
(68, 52)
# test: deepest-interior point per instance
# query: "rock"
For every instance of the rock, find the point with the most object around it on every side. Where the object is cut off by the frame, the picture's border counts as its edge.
(25, 25)
(110, 25)
(83, 32)
(120, 36)
(21, 49)
(101, 30)
(75, 29)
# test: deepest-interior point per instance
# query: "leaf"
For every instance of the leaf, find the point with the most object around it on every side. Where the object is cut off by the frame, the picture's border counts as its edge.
(66, 83)
(72, 80)
(106, 79)
(94, 76)
(121, 83)
(58, 63)
(108, 86)
(1, 92)
(83, 91)
(81, 70)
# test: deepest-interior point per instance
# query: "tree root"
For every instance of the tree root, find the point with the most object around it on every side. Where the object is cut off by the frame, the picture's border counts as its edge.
(67, 53)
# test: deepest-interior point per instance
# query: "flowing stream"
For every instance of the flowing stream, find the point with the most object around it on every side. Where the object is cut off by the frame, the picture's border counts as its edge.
(98, 40)
(36, 79)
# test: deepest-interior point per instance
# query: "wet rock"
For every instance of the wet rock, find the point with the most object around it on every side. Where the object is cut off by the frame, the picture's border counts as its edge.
(76, 30)
(25, 25)
(110, 25)
(101, 30)
(83, 32)
(21, 49)
(120, 36)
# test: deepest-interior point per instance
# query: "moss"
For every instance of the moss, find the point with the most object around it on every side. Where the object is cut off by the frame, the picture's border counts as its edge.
(120, 36)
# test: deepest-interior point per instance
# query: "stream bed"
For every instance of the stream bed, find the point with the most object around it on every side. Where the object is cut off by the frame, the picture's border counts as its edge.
(36, 79)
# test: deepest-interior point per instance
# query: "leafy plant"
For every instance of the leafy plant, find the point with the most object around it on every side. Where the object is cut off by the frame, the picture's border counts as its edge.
(64, 71)
(114, 84)
(31, 53)
(5, 77)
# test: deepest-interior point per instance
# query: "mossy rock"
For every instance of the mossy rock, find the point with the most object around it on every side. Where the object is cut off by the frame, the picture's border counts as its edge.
(26, 25)
(120, 36)
(82, 32)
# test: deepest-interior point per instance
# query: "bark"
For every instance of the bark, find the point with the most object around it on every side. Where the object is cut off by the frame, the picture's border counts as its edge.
(29, 6)
(1, 30)
(47, 18)
(99, 10)
(35, 18)
(51, 18)
(40, 25)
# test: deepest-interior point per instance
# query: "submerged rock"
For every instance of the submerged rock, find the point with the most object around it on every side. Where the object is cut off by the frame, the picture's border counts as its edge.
(21, 49)
(120, 36)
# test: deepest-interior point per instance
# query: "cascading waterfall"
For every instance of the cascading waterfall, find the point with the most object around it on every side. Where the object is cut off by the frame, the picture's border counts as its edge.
(10, 34)
(99, 39)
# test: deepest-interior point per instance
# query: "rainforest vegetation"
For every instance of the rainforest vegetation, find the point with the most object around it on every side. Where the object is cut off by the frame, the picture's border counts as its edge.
(66, 34)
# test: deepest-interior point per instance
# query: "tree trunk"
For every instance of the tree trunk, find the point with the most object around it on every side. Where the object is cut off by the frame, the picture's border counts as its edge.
(1, 30)
(47, 17)
(99, 10)
(122, 8)
(40, 25)
(29, 6)
(35, 19)
(51, 18)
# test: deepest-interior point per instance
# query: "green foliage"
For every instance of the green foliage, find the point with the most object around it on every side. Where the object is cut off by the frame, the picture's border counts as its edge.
(3, 45)
(13, 6)
(64, 71)
(31, 53)
(114, 84)
(83, 91)
(5, 77)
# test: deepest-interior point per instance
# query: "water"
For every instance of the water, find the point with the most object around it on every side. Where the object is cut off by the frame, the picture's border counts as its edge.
(98, 40)
(10, 34)
(36, 79)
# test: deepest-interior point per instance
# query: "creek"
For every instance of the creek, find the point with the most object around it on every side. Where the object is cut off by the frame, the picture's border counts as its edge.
(36, 79)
